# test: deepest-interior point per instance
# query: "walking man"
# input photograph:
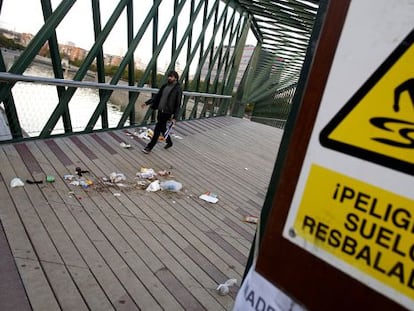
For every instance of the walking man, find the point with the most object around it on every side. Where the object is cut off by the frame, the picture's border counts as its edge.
(168, 103)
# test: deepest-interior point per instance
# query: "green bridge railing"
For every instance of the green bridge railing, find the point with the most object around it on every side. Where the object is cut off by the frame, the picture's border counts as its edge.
(27, 109)
(205, 39)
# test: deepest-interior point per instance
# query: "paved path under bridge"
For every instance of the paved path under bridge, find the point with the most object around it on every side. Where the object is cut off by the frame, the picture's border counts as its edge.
(119, 247)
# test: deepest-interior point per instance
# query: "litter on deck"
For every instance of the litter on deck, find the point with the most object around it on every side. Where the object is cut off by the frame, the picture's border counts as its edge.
(209, 197)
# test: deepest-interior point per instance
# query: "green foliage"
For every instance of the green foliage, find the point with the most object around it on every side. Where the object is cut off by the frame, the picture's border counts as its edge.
(193, 85)
(76, 62)
(9, 43)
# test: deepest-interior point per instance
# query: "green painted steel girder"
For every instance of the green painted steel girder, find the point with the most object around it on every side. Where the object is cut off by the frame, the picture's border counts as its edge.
(282, 29)
(51, 123)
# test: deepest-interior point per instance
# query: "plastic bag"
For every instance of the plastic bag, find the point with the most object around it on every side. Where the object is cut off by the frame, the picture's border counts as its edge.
(154, 186)
(209, 197)
(125, 145)
(116, 177)
(223, 289)
(146, 173)
(16, 182)
(171, 185)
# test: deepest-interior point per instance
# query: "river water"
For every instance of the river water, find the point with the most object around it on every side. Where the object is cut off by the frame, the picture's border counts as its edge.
(36, 102)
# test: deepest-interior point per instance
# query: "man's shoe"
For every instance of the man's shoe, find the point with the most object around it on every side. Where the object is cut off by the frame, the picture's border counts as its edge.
(146, 150)
(167, 146)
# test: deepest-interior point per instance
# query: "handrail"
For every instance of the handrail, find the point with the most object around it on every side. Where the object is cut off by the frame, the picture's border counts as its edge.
(10, 77)
(202, 105)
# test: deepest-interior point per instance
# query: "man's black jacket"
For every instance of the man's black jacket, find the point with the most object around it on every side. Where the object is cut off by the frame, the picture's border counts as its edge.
(173, 102)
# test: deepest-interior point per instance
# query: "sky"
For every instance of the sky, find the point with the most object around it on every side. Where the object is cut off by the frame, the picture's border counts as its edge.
(77, 26)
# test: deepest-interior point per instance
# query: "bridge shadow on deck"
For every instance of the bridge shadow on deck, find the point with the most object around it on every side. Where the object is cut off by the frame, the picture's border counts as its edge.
(120, 247)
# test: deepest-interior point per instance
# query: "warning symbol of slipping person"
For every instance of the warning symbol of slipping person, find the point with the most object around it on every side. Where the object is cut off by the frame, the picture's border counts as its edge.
(377, 124)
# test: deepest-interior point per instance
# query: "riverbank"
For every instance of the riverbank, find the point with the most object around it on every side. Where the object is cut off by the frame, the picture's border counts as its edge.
(119, 98)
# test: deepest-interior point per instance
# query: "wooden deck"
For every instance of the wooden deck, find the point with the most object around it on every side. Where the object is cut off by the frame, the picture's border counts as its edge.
(110, 247)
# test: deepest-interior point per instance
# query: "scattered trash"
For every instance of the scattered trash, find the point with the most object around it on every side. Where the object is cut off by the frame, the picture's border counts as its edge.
(75, 183)
(16, 182)
(144, 133)
(116, 177)
(124, 145)
(143, 184)
(164, 173)
(50, 178)
(176, 136)
(171, 185)
(79, 171)
(34, 181)
(85, 183)
(224, 289)
(122, 185)
(146, 173)
(251, 219)
(154, 186)
(146, 180)
(69, 177)
(209, 197)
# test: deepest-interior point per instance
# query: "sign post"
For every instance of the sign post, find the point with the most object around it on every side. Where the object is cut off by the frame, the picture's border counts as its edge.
(340, 235)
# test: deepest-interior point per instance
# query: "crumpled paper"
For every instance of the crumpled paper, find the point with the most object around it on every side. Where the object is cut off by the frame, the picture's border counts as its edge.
(154, 186)
(16, 182)
(224, 289)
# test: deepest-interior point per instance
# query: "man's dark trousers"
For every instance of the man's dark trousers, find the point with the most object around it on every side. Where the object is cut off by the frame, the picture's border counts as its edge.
(160, 127)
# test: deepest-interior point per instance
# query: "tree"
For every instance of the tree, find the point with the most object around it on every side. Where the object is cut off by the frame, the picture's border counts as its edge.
(10, 43)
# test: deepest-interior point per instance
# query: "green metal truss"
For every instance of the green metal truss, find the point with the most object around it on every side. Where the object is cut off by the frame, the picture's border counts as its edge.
(213, 52)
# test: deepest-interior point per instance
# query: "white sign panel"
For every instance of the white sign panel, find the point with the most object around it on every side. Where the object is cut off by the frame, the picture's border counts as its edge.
(258, 294)
(353, 206)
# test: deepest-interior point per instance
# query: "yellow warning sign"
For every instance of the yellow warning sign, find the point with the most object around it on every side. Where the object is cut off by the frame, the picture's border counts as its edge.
(367, 227)
(377, 124)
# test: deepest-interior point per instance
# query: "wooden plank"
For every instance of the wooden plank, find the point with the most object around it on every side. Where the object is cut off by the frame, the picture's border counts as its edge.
(90, 281)
(107, 241)
(88, 152)
(200, 296)
(122, 247)
(238, 218)
(170, 219)
(222, 280)
(12, 294)
(102, 276)
(89, 288)
(196, 181)
(36, 285)
(58, 152)
(103, 144)
(88, 225)
(51, 241)
(107, 229)
(33, 276)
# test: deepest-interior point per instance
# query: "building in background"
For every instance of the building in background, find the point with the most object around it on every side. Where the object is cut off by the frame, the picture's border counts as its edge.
(72, 52)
